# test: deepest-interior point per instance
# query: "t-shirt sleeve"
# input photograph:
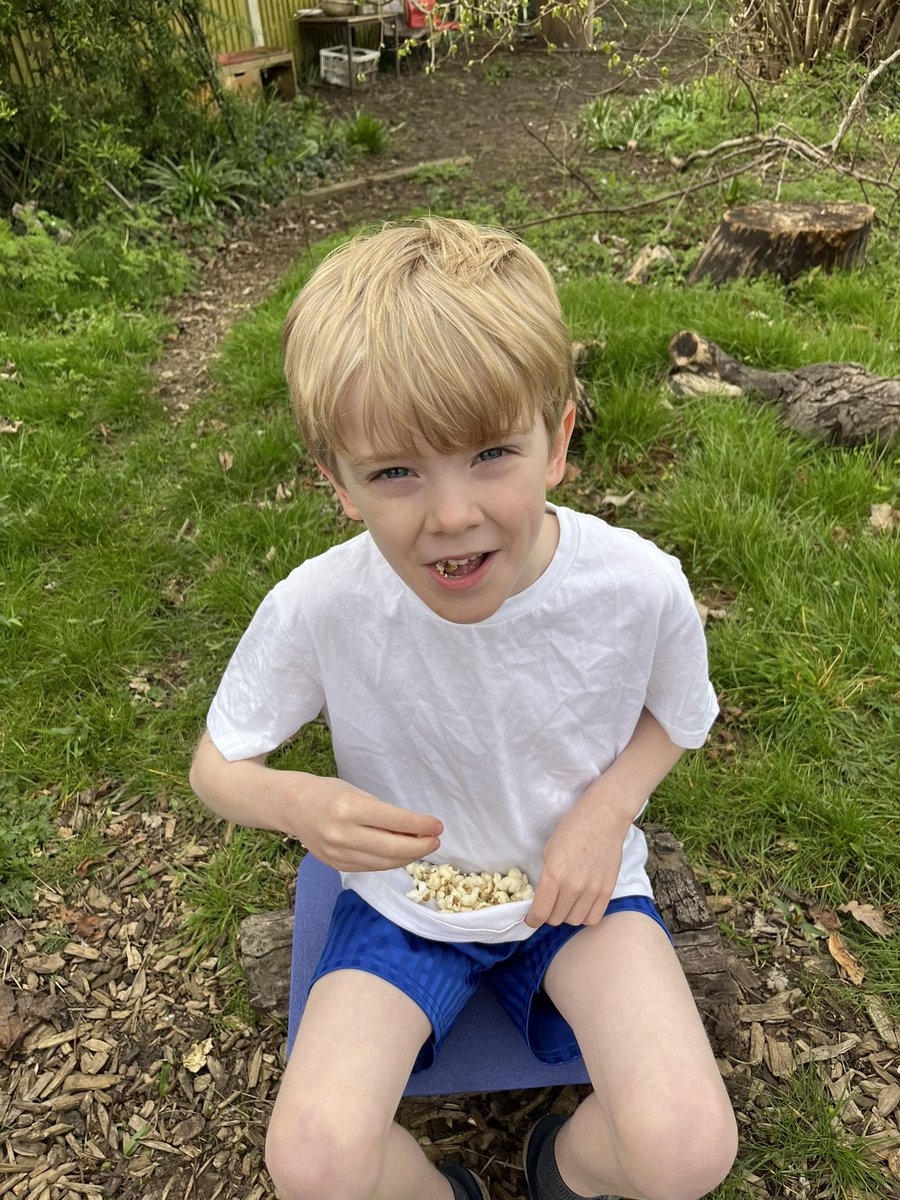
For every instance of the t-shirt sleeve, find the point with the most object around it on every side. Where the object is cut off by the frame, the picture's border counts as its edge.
(679, 692)
(271, 686)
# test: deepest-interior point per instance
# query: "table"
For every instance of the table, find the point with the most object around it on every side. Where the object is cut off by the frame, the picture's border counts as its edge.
(314, 17)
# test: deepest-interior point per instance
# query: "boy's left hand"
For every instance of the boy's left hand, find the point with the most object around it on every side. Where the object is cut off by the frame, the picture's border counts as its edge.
(581, 865)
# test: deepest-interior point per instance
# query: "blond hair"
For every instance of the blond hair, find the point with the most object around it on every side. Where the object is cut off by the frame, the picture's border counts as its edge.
(448, 332)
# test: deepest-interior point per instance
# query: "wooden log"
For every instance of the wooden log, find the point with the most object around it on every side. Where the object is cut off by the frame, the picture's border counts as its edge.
(265, 942)
(699, 945)
(785, 240)
(833, 402)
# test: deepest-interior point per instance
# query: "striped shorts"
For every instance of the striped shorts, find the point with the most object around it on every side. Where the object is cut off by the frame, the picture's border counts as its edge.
(441, 976)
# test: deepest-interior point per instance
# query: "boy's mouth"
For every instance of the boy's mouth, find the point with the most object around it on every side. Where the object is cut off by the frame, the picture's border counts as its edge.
(456, 568)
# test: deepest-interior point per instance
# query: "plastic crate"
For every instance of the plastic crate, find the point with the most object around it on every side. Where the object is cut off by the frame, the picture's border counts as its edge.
(335, 68)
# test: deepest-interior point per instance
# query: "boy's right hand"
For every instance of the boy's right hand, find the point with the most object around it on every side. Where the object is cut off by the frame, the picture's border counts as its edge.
(343, 826)
(351, 830)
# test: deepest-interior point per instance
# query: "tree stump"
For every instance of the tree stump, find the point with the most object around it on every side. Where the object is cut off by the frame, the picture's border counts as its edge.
(265, 943)
(784, 240)
(832, 402)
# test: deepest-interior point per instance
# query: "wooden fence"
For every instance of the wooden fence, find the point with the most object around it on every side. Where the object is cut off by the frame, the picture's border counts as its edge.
(239, 24)
(233, 25)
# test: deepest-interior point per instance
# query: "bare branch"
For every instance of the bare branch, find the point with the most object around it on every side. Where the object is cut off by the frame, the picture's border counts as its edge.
(859, 100)
(567, 168)
(763, 161)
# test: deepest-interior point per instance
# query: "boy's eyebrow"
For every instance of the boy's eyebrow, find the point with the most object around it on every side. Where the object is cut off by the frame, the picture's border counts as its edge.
(363, 464)
(396, 453)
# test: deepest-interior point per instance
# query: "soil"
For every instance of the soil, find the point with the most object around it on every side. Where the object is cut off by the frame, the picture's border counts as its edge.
(121, 1073)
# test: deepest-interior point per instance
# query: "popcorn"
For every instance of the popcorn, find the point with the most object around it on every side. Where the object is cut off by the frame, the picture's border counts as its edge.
(452, 891)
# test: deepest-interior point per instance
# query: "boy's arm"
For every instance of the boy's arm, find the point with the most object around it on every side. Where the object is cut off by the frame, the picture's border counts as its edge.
(342, 825)
(584, 853)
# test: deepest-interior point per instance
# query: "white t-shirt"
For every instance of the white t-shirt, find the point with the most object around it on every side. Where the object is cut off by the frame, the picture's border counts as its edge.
(495, 728)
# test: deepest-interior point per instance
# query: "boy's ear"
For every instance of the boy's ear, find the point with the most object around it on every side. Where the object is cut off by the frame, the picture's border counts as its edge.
(556, 463)
(341, 492)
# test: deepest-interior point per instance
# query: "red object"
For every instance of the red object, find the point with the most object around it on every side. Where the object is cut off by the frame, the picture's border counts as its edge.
(419, 16)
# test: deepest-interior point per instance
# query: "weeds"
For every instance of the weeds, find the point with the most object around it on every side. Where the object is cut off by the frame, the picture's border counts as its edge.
(248, 875)
(25, 826)
(197, 189)
(800, 1137)
(364, 132)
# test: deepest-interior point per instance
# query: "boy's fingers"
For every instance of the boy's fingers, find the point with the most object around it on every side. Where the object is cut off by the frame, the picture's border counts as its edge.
(541, 906)
(402, 820)
(398, 848)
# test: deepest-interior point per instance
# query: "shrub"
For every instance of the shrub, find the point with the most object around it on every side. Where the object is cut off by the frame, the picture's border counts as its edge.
(99, 88)
(365, 132)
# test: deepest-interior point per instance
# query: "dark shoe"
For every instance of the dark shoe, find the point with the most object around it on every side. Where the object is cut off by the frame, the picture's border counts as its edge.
(540, 1139)
(464, 1182)
(547, 1127)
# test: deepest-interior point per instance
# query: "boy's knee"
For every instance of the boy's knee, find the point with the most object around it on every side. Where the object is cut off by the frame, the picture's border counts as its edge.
(309, 1159)
(684, 1153)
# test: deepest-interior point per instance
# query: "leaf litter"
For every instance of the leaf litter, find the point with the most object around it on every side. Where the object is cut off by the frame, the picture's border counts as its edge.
(122, 1075)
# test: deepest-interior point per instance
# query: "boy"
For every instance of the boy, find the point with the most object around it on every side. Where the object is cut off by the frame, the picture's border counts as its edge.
(506, 682)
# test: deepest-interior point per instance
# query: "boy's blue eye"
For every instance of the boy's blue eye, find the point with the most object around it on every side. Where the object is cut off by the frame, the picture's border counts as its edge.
(490, 455)
(393, 473)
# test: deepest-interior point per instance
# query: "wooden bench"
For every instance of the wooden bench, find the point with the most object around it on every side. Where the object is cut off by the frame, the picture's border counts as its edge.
(258, 69)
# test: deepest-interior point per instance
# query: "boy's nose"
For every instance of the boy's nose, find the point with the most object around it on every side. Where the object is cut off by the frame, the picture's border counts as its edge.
(452, 509)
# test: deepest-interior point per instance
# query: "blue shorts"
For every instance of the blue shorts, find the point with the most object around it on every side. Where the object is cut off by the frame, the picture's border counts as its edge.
(441, 976)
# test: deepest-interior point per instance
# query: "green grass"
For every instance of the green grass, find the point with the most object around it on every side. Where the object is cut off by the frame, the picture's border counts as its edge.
(805, 652)
(798, 1135)
(133, 559)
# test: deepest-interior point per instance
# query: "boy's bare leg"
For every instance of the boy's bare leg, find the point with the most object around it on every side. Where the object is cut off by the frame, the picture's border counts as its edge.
(332, 1135)
(659, 1125)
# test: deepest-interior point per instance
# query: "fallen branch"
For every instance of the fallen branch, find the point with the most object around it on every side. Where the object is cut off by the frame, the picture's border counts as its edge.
(832, 402)
(781, 143)
(794, 144)
(856, 104)
(639, 205)
(349, 185)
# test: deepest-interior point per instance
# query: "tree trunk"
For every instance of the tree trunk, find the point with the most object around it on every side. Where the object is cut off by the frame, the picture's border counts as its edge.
(265, 942)
(784, 240)
(833, 402)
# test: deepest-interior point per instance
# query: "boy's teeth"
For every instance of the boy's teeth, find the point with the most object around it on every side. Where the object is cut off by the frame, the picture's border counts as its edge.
(446, 566)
